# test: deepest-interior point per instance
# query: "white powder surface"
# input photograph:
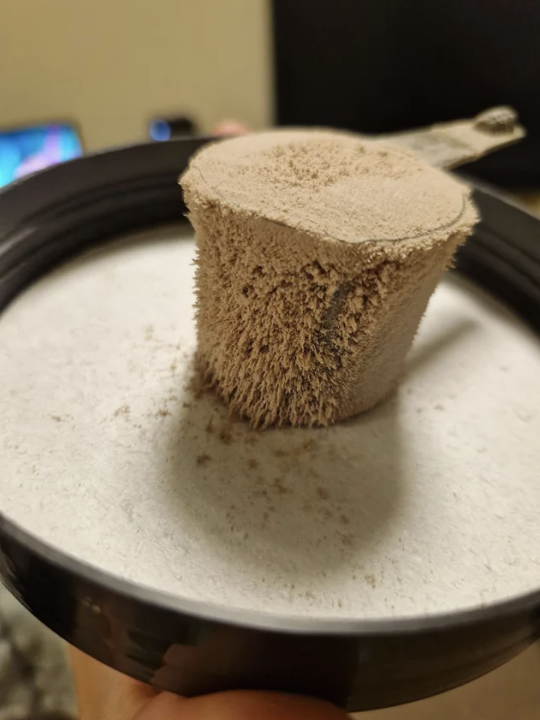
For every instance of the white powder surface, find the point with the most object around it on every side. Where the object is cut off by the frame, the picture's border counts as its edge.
(429, 503)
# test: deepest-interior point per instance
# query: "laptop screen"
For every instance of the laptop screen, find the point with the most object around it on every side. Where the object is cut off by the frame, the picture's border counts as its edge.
(28, 149)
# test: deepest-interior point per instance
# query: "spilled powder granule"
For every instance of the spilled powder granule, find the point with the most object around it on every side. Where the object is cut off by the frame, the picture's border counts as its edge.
(317, 255)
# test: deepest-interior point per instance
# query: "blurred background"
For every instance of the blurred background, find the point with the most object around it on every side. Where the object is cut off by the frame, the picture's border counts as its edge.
(100, 72)
(110, 67)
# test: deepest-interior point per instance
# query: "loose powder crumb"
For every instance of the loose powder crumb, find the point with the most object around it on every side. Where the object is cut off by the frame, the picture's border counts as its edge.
(280, 487)
(323, 493)
(225, 435)
(122, 410)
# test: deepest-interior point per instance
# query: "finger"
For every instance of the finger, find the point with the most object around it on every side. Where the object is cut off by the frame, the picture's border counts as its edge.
(238, 705)
(228, 128)
(105, 694)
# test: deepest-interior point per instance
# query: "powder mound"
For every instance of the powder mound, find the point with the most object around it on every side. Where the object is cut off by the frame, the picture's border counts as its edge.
(316, 162)
(317, 255)
(332, 185)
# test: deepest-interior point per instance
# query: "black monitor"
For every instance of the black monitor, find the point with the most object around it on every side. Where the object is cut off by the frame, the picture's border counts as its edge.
(385, 65)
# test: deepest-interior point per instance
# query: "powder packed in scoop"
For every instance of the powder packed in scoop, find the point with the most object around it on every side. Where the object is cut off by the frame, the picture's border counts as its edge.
(317, 254)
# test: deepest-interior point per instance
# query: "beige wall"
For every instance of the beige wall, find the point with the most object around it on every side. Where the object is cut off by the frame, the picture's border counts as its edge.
(113, 64)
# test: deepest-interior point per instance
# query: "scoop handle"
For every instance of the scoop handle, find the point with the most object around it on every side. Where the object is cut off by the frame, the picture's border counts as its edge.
(447, 145)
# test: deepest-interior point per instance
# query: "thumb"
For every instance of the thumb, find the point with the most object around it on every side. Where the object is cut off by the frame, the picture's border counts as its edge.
(105, 694)
(238, 705)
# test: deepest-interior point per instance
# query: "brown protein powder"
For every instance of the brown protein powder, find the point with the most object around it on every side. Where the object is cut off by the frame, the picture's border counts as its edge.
(317, 253)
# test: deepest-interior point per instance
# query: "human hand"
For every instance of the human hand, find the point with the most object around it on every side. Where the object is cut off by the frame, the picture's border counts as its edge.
(229, 128)
(105, 694)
